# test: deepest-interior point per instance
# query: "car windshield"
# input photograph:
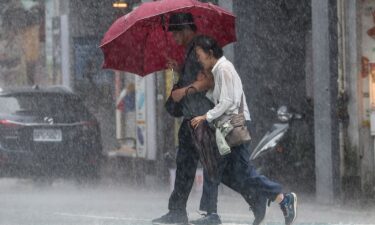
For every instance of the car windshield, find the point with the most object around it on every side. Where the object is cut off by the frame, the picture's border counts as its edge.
(67, 108)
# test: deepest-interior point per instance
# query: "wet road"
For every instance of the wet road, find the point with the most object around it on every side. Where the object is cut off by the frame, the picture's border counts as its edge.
(64, 202)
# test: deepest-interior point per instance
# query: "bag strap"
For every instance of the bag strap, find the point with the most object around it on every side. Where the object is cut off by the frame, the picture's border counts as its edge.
(241, 105)
(190, 87)
(187, 99)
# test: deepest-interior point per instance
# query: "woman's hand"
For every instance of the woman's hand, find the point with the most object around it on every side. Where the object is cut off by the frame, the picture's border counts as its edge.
(197, 120)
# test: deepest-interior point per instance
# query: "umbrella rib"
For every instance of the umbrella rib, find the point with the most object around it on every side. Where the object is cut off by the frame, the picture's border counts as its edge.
(144, 52)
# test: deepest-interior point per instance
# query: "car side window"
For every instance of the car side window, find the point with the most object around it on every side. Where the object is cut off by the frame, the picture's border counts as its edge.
(9, 104)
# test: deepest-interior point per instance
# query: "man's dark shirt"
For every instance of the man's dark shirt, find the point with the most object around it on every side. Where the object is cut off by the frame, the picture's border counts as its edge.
(196, 104)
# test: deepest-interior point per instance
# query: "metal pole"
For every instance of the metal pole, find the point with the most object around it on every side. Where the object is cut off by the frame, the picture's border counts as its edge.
(325, 72)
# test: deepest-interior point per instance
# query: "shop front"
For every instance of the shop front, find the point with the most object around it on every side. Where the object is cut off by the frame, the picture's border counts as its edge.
(356, 107)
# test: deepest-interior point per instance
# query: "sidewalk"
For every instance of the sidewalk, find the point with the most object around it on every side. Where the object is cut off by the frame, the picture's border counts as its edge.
(232, 207)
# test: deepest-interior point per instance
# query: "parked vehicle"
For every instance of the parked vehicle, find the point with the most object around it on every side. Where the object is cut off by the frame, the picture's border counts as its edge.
(275, 134)
(284, 154)
(47, 132)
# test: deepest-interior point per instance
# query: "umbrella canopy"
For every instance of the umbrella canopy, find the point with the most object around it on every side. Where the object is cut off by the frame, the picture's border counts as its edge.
(139, 42)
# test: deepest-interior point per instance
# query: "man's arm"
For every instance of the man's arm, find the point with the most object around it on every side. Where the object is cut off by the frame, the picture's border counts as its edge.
(204, 82)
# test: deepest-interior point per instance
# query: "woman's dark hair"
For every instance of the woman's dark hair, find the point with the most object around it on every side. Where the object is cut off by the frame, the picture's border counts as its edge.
(208, 44)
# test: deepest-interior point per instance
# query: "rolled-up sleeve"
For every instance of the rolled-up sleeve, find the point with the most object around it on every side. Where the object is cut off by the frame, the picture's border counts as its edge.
(226, 99)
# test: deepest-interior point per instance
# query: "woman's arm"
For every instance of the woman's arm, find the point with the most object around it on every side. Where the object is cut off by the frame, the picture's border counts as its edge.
(226, 97)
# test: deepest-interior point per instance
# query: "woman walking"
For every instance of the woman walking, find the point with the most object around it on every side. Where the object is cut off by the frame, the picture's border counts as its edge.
(227, 96)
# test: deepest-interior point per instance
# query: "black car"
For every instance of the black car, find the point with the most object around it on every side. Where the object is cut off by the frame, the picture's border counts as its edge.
(47, 132)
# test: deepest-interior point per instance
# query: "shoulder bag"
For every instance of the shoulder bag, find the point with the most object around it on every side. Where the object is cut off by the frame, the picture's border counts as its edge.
(234, 129)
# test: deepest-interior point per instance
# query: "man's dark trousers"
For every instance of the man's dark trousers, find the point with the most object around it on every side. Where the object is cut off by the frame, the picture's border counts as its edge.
(186, 161)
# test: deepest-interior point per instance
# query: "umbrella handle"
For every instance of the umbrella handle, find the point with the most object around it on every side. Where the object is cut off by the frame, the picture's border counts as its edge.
(174, 77)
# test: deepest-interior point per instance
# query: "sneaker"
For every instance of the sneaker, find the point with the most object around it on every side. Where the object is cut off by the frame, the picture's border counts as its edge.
(289, 207)
(207, 219)
(258, 206)
(178, 217)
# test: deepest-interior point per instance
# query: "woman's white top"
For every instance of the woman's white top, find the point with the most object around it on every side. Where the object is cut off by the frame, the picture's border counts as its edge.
(227, 91)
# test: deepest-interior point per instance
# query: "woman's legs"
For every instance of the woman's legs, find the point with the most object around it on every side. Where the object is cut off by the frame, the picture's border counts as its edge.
(246, 178)
(243, 178)
(256, 201)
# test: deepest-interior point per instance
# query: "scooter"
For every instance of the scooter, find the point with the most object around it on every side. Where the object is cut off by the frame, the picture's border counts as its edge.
(285, 153)
(276, 133)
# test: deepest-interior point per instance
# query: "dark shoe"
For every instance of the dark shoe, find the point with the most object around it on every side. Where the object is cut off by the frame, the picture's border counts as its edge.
(289, 207)
(259, 205)
(172, 217)
(208, 219)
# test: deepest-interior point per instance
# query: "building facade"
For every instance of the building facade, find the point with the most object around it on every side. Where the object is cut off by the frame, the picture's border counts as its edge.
(356, 60)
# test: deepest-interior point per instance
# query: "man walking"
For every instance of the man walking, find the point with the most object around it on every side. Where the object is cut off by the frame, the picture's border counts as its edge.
(193, 103)
(184, 30)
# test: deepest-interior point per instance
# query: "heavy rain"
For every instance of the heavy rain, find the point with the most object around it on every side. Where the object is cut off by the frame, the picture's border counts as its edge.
(122, 112)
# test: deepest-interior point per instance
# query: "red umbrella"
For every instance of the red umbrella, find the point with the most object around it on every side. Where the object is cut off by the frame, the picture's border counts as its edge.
(139, 42)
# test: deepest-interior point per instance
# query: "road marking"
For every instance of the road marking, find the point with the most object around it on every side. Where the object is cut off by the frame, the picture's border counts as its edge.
(101, 217)
(233, 215)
